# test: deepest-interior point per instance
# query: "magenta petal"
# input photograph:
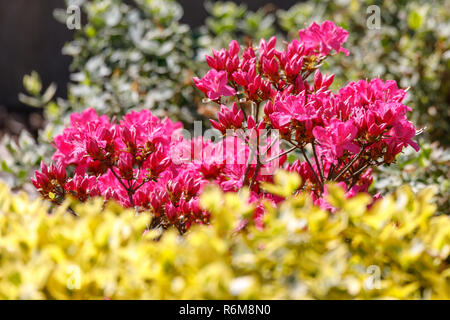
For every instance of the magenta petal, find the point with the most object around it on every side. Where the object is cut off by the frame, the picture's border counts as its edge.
(352, 147)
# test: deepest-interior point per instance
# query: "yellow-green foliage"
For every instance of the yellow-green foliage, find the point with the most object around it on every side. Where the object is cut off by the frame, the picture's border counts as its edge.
(303, 252)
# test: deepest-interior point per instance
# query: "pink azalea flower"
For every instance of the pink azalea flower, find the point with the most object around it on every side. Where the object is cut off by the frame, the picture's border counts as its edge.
(214, 84)
(337, 138)
(324, 38)
(228, 119)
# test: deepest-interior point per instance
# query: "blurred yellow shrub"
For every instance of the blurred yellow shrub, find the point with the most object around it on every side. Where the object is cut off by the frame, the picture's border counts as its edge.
(396, 249)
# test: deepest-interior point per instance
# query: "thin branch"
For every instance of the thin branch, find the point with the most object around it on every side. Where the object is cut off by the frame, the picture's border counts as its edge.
(336, 168)
(255, 110)
(360, 170)
(317, 162)
(330, 172)
(312, 168)
(130, 195)
(72, 212)
(238, 100)
(255, 174)
(141, 184)
(254, 114)
(137, 179)
(271, 145)
(354, 159)
(349, 164)
(247, 169)
(280, 155)
(258, 163)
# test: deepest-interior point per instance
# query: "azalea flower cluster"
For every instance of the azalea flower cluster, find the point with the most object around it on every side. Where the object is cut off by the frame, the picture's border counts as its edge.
(338, 136)
(142, 162)
(269, 108)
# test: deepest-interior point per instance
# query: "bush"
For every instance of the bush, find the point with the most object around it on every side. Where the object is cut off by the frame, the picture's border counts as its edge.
(412, 47)
(144, 162)
(396, 249)
(131, 55)
(427, 168)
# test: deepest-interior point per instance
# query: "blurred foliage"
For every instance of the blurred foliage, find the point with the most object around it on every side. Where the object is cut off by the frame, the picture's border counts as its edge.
(228, 21)
(428, 168)
(33, 85)
(130, 55)
(397, 249)
(18, 157)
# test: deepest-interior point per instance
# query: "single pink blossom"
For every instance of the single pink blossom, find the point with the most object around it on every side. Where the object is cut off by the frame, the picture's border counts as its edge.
(214, 84)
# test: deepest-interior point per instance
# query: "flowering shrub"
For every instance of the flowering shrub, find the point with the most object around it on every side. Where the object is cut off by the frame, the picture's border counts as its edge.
(128, 162)
(396, 249)
(139, 162)
(410, 45)
(144, 163)
(362, 126)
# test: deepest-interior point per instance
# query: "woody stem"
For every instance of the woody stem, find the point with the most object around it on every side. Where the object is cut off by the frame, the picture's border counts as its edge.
(129, 190)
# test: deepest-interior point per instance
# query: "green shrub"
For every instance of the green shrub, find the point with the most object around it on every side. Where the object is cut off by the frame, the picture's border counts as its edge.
(428, 168)
(396, 249)
(129, 56)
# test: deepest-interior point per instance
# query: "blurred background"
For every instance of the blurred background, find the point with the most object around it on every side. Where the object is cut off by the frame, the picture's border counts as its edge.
(134, 54)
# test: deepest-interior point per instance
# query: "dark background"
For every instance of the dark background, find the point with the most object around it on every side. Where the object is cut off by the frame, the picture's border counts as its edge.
(31, 39)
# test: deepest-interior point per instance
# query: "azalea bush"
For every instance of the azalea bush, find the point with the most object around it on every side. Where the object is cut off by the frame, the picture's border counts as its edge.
(145, 163)
(142, 162)
(396, 249)
(411, 47)
(365, 118)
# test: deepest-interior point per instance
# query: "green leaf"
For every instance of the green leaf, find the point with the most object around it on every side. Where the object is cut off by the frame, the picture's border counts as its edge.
(415, 20)
(49, 93)
(30, 101)
(32, 83)
(5, 167)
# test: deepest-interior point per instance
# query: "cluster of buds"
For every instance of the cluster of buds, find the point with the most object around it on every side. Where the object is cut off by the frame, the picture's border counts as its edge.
(51, 182)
